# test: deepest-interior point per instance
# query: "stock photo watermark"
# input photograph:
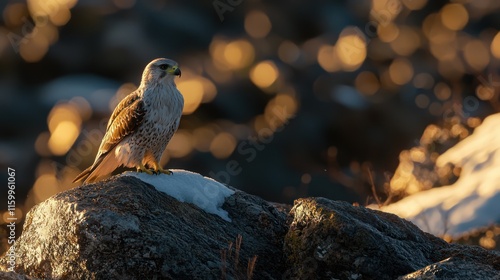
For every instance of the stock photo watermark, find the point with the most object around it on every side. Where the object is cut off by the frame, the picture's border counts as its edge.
(11, 218)
(30, 27)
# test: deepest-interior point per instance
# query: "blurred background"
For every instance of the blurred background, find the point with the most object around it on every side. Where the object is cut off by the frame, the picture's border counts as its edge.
(349, 100)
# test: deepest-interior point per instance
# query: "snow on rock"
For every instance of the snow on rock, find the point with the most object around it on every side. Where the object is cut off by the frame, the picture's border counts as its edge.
(190, 187)
(473, 201)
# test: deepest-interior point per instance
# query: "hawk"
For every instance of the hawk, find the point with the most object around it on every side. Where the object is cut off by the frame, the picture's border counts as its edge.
(141, 125)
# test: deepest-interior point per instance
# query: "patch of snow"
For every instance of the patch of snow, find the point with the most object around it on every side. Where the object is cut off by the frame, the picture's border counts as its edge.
(473, 201)
(190, 187)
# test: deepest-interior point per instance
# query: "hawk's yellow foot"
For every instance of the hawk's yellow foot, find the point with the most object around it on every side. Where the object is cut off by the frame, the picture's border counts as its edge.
(158, 169)
(141, 168)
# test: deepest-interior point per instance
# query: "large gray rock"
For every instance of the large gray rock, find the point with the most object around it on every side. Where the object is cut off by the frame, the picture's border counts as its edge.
(14, 276)
(329, 239)
(125, 229)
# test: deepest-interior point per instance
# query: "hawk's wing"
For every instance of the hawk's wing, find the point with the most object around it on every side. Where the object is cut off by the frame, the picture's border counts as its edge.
(124, 103)
(126, 118)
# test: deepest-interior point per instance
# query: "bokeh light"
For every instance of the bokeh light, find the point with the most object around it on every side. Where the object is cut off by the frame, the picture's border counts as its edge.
(476, 55)
(454, 16)
(64, 123)
(181, 144)
(264, 74)
(495, 46)
(401, 71)
(257, 24)
(223, 145)
(328, 59)
(233, 55)
(351, 48)
(367, 83)
(288, 52)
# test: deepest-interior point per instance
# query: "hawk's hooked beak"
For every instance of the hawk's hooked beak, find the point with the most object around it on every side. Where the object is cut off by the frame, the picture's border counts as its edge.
(175, 70)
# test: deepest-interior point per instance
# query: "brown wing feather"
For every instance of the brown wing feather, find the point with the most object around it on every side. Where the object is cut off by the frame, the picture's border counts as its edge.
(127, 101)
(124, 121)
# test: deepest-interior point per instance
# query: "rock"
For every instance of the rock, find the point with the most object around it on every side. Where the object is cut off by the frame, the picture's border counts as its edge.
(454, 268)
(329, 239)
(14, 276)
(123, 228)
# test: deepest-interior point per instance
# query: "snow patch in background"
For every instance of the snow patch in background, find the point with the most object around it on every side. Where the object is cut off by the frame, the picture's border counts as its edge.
(190, 187)
(473, 201)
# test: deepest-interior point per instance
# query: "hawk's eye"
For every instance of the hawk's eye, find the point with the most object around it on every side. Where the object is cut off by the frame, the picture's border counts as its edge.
(163, 66)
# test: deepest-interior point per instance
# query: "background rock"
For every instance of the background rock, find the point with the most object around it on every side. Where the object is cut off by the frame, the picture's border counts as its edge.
(329, 239)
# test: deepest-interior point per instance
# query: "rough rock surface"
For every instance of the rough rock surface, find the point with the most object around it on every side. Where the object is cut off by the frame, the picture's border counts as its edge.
(329, 239)
(14, 276)
(123, 228)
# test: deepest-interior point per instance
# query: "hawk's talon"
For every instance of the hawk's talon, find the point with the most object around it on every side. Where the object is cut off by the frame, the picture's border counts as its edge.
(166, 171)
(158, 169)
(141, 168)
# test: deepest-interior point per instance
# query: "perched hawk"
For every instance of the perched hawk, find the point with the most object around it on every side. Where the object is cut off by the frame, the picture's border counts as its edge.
(141, 125)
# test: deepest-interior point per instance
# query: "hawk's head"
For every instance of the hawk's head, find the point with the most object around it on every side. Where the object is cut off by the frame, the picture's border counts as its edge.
(161, 69)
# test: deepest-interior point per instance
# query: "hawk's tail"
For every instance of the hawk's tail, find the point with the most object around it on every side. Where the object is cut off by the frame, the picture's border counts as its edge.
(103, 166)
(83, 175)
